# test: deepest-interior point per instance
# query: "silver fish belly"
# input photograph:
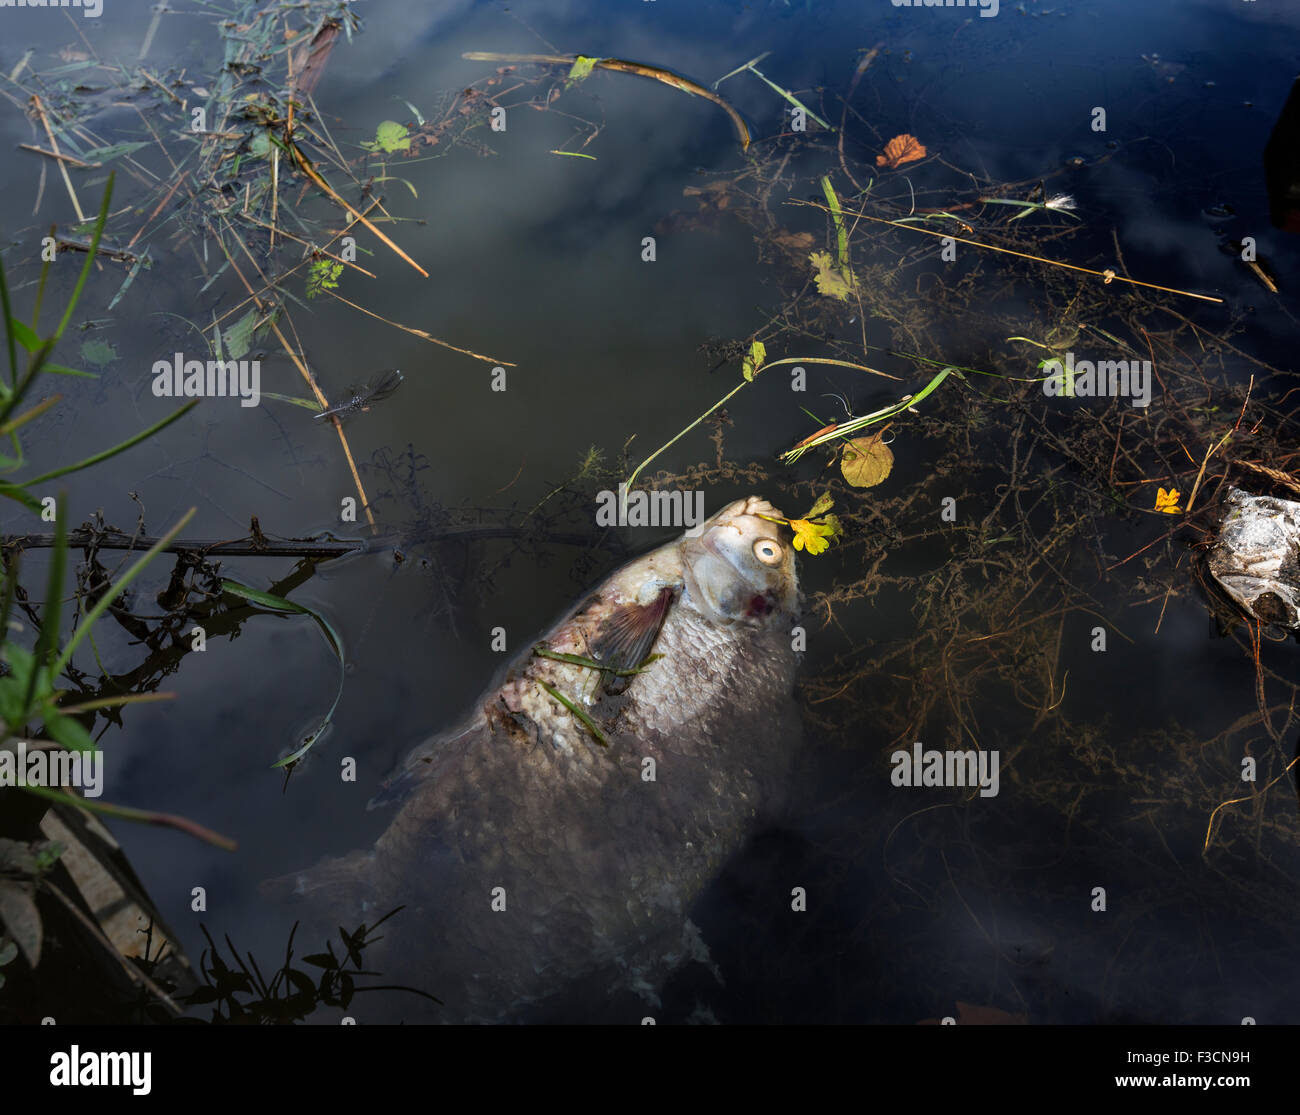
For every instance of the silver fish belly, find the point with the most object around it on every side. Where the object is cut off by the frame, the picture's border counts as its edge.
(544, 857)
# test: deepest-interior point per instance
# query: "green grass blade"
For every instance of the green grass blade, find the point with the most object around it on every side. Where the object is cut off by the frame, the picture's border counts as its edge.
(24, 385)
(40, 408)
(841, 232)
(9, 327)
(740, 69)
(280, 604)
(139, 816)
(587, 721)
(789, 97)
(21, 494)
(47, 642)
(64, 370)
(306, 404)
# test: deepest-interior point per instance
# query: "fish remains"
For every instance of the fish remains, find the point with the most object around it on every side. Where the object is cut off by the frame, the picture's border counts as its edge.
(546, 859)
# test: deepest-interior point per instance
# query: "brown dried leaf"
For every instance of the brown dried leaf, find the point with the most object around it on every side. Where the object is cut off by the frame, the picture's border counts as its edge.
(311, 57)
(901, 149)
(866, 461)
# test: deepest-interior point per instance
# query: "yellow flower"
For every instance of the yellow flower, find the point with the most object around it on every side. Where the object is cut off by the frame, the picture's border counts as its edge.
(1165, 501)
(813, 537)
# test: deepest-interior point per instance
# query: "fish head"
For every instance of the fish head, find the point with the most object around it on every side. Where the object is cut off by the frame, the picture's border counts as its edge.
(738, 568)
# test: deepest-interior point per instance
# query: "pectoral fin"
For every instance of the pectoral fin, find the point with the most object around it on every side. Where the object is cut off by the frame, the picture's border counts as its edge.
(627, 635)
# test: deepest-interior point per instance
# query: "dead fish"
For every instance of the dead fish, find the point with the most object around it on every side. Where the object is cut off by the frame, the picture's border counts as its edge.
(545, 858)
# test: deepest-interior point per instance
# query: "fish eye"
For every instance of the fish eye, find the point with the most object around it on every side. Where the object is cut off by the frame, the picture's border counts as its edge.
(767, 551)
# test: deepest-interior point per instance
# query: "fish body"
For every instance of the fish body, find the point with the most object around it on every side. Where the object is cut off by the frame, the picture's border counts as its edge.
(540, 866)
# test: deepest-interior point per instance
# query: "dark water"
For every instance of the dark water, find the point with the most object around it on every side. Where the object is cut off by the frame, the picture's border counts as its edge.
(535, 260)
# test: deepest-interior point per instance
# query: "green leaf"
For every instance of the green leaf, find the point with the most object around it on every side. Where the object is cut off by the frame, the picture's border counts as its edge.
(18, 659)
(25, 336)
(323, 274)
(394, 178)
(754, 361)
(98, 354)
(280, 604)
(21, 494)
(142, 260)
(13, 690)
(316, 960)
(61, 370)
(841, 232)
(824, 503)
(581, 69)
(830, 280)
(390, 136)
(67, 731)
(48, 855)
(239, 337)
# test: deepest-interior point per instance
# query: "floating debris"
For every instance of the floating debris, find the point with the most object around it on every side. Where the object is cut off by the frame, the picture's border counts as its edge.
(361, 397)
(1257, 557)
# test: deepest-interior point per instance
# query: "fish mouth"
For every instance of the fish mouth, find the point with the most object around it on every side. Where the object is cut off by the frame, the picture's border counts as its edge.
(708, 544)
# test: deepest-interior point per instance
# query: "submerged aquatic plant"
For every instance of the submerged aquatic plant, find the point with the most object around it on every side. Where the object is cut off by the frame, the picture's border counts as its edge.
(239, 993)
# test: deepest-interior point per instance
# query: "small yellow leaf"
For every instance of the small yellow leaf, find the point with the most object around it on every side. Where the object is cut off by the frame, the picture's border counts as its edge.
(1167, 501)
(866, 461)
(831, 281)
